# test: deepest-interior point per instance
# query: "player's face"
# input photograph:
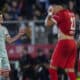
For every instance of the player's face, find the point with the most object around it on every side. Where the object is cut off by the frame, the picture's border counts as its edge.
(1, 18)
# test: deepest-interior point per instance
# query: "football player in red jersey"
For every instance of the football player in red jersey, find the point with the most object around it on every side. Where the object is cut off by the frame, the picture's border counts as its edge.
(64, 55)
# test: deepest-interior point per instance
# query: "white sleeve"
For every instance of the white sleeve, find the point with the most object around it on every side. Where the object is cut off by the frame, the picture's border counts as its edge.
(6, 32)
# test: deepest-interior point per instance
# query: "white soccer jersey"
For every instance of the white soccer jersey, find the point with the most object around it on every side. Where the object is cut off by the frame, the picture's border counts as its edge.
(3, 34)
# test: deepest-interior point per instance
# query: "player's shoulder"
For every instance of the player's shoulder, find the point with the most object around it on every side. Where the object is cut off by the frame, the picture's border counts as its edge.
(69, 12)
(3, 27)
(62, 12)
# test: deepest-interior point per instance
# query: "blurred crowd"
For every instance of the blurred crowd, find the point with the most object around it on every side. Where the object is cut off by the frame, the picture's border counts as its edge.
(34, 68)
(27, 9)
(23, 11)
(33, 10)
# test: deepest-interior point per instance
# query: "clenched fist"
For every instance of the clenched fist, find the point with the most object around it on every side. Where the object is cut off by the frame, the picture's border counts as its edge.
(22, 31)
(50, 10)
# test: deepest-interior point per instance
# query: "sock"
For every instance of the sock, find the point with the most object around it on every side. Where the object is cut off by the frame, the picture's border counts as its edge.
(72, 75)
(53, 74)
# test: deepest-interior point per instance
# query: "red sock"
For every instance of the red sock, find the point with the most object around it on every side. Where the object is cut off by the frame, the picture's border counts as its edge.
(53, 74)
(72, 75)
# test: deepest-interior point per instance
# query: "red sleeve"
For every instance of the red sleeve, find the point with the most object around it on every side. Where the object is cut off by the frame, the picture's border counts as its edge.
(57, 18)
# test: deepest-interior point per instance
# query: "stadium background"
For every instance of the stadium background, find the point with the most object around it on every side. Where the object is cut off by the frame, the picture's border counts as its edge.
(39, 41)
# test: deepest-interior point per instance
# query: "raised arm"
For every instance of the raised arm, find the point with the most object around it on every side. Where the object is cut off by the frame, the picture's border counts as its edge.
(11, 40)
(48, 21)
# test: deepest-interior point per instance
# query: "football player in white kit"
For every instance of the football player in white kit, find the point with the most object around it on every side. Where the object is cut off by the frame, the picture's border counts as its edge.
(4, 36)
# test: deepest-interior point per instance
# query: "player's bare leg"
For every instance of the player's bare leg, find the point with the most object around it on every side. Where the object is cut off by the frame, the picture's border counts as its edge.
(53, 73)
(5, 75)
(1, 76)
(71, 73)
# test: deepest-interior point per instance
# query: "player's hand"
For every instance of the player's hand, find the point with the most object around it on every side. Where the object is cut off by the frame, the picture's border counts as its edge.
(6, 74)
(50, 10)
(21, 32)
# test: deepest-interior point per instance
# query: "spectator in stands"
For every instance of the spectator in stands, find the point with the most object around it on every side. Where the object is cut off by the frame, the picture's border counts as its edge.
(12, 13)
(55, 34)
(41, 66)
(51, 1)
(42, 4)
(77, 33)
(13, 73)
(28, 33)
(78, 5)
(50, 53)
(13, 10)
(27, 9)
(50, 36)
(40, 34)
(26, 65)
(26, 38)
(37, 15)
(71, 5)
(7, 16)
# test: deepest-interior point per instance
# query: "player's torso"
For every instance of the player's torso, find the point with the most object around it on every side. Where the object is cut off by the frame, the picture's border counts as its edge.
(2, 35)
(67, 25)
(2, 41)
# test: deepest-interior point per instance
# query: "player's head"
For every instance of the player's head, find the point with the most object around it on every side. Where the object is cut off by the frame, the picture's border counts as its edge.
(58, 5)
(1, 17)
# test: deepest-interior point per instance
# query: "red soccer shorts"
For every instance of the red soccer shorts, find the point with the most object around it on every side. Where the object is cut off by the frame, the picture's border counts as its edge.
(64, 55)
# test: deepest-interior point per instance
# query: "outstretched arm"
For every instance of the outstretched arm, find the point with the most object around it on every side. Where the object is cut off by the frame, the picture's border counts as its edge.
(48, 21)
(11, 40)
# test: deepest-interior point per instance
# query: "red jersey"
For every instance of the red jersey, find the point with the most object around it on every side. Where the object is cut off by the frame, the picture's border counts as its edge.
(65, 20)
